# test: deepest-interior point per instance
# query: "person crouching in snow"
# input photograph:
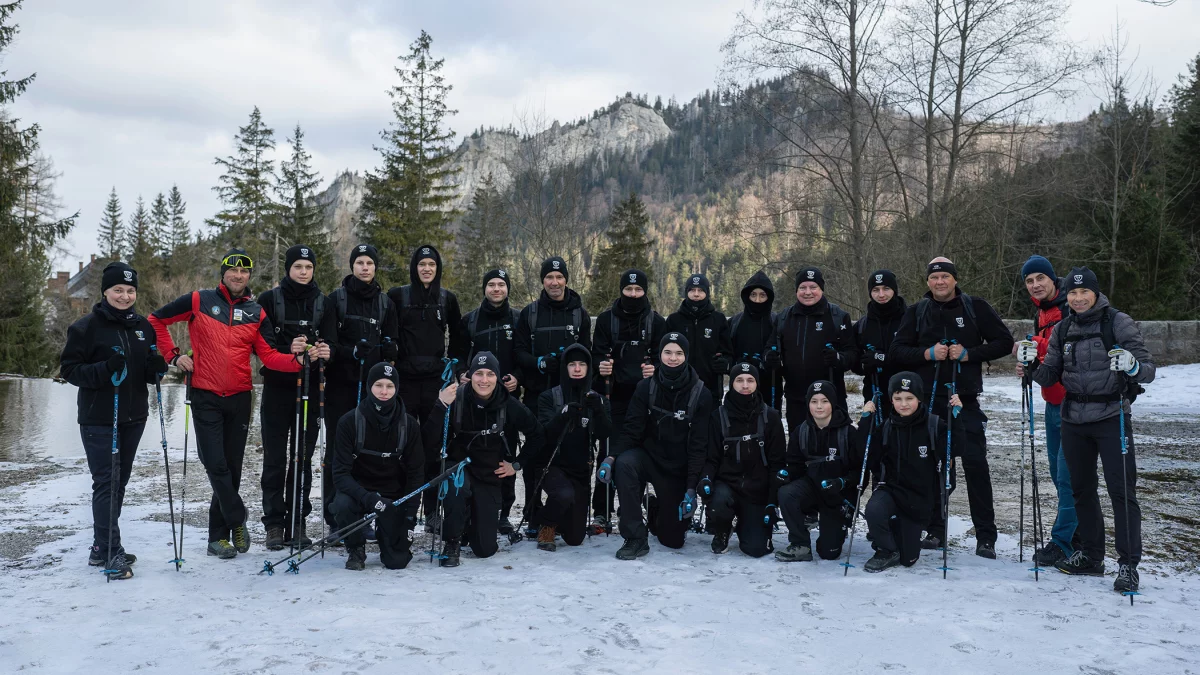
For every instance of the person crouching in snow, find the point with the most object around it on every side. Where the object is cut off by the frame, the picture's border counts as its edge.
(574, 418)
(745, 451)
(820, 460)
(484, 422)
(907, 458)
(378, 459)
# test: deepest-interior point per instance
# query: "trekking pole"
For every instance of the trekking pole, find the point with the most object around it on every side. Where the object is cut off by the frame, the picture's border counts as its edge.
(296, 441)
(1038, 529)
(608, 386)
(953, 413)
(341, 533)
(114, 467)
(1021, 517)
(439, 509)
(937, 366)
(324, 433)
(516, 536)
(1125, 482)
(862, 479)
(162, 427)
(187, 415)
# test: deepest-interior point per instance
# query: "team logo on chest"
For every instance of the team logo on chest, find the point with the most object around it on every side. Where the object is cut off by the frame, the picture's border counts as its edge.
(958, 320)
(216, 310)
(139, 335)
(820, 325)
(923, 451)
(832, 454)
(707, 332)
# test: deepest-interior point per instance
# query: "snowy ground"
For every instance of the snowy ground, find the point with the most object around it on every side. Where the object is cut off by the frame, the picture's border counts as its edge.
(577, 610)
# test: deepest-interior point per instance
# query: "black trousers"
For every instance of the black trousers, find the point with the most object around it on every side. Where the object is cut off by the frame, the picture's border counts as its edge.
(891, 531)
(803, 495)
(277, 420)
(98, 446)
(419, 395)
(341, 397)
(971, 450)
(478, 503)
(633, 470)
(754, 535)
(391, 530)
(603, 495)
(222, 423)
(566, 507)
(1081, 444)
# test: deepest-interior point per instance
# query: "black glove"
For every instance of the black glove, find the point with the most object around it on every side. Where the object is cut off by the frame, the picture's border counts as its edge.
(155, 363)
(705, 488)
(573, 410)
(872, 359)
(362, 349)
(773, 359)
(115, 363)
(720, 364)
(594, 400)
(389, 351)
(831, 357)
(549, 363)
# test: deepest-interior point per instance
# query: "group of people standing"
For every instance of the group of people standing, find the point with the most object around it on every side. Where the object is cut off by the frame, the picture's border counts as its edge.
(591, 413)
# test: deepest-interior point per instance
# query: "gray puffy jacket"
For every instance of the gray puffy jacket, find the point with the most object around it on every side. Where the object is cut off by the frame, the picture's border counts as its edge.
(1082, 366)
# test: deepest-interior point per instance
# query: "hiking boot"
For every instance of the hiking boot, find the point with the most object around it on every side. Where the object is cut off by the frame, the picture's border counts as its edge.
(601, 525)
(1080, 564)
(1050, 554)
(357, 559)
(222, 549)
(985, 549)
(451, 551)
(241, 538)
(1127, 579)
(274, 540)
(545, 538)
(305, 542)
(96, 556)
(881, 561)
(795, 553)
(931, 542)
(118, 568)
(505, 527)
(633, 549)
(720, 542)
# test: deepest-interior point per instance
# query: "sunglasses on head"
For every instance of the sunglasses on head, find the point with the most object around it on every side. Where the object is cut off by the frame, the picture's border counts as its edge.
(238, 260)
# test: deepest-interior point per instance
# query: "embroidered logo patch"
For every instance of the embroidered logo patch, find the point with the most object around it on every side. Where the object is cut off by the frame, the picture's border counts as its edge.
(923, 451)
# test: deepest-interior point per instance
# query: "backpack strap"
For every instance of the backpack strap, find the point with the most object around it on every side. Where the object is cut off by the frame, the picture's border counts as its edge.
(556, 395)
(360, 434)
(303, 326)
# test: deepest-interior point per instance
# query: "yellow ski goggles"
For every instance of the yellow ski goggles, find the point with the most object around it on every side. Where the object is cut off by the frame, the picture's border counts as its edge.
(238, 260)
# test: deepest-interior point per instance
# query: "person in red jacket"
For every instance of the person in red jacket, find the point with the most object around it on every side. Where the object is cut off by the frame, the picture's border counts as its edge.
(1043, 286)
(223, 324)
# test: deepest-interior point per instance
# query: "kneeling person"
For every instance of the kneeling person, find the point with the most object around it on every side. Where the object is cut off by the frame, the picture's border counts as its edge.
(574, 417)
(745, 451)
(378, 459)
(820, 462)
(908, 460)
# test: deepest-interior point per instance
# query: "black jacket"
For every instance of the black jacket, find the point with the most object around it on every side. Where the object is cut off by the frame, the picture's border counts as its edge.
(985, 337)
(748, 466)
(677, 446)
(279, 332)
(907, 462)
(588, 419)
(707, 333)
(629, 348)
(556, 329)
(877, 328)
(752, 331)
(815, 454)
(423, 320)
(361, 475)
(801, 335)
(495, 332)
(90, 343)
(487, 449)
(361, 320)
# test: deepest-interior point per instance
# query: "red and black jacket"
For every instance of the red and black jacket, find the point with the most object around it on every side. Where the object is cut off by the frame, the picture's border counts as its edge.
(1049, 314)
(224, 332)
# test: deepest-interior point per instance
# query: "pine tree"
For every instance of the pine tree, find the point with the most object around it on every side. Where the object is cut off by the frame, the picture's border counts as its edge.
(407, 201)
(112, 229)
(627, 248)
(245, 189)
(160, 226)
(180, 228)
(29, 228)
(1184, 158)
(484, 236)
(140, 236)
(302, 217)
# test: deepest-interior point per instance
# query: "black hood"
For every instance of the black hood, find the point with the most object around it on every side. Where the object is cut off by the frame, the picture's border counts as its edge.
(759, 280)
(420, 253)
(574, 390)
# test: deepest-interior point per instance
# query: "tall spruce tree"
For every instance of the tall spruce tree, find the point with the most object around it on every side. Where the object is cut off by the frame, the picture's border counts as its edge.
(627, 247)
(160, 226)
(29, 228)
(301, 215)
(112, 229)
(408, 199)
(140, 236)
(1184, 158)
(484, 235)
(245, 187)
(180, 229)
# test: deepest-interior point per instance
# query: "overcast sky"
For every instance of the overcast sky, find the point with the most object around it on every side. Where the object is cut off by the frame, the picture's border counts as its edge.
(140, 94)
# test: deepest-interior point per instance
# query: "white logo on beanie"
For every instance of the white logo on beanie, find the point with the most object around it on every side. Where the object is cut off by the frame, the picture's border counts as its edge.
(879, 278)
(502, 274)
(1079, 278)
(425, 251)
(633, 278)
(695, 281)
(303, 253)
(816, 386)
(362, 249)
(555, 264)
(745, 367)
(481, 360)
(905, 383)
(387, 371)
(128, 275)
(812, 274)
(673, 336)
(937, 266)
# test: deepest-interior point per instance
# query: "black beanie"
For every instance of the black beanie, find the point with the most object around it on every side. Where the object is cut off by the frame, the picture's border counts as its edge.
(236, 253)
(634, 277)
(364, 249)
(382, 371)
(742, 368)
(298, 252)
(941, 266)
(117, 273)
(555, 264)
(907, 381)
(696, 281)
(820, 387)
(1082, 277)
(882, 278)
(484, 360)
(810, 274)
(677, 338)
(498, 273)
